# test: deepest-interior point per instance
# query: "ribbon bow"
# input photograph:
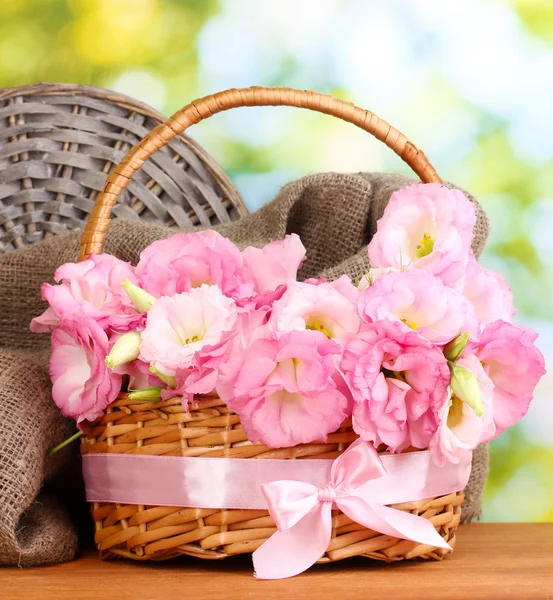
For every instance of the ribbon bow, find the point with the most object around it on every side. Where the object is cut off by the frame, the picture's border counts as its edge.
(302, 513)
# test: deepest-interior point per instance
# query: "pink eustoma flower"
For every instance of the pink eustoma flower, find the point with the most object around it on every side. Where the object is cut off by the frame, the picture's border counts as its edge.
(187, 260)
(202, 374)
(425, 226)
(285, 390)
(514, 364)
(461, 428)
(275, 264)
(399, 381)
(320, 307)
(82, 385)
(420, 301)
(91, 288)
(372, 275)
(488, 292)
(343, 285)
(140, 376)
(260, 300)
(179, 326)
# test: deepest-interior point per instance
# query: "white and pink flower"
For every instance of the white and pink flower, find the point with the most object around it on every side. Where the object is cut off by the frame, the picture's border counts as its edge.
(284, 389)
(465, 422)
(91, 288)
(372, 275)
(202, 375)
(425, 226)
(399, 382)
(179, 326)
(514, 364)
(488, 292)
(421, 302)
(321, 307)
(82, 385)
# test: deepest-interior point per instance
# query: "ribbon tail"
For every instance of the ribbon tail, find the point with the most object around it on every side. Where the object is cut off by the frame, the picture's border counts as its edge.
(392, 522)
(292, 551)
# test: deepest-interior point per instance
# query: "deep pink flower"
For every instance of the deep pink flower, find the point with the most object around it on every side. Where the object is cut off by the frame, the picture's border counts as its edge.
(399, 381)
(82, 385)
(315, 307)
(91, 288)
(419, 301)
(425, 226)
(488, 292)
(275, 264)
(285, 390)
(461, 428)
(179, 326)
(187, 260)
(514, 364)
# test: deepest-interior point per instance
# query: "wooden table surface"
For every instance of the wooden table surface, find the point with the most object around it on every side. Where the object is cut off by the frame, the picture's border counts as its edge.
(491, 561)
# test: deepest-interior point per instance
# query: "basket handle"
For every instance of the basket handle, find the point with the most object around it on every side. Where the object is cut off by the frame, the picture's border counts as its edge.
(99, 218)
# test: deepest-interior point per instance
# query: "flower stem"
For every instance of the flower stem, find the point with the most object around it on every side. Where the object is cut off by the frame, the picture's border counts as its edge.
(66, 442)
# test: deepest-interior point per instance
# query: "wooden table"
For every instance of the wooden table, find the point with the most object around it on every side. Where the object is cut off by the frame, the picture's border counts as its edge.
(491, 561)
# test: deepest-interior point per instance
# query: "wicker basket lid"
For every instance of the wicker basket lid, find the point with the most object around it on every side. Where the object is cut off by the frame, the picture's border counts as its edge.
(58, 142)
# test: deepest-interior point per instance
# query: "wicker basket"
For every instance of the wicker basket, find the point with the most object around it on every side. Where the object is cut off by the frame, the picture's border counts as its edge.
(210, 429)
(59, 141)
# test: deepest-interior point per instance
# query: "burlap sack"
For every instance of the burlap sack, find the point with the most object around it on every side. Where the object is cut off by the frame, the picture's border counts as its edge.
(335, 216)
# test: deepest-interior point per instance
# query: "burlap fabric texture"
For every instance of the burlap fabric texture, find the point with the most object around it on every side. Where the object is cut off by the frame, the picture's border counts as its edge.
(334, 214)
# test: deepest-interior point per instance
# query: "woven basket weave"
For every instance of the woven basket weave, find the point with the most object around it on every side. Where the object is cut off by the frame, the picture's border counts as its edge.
(210, 429)
(59, 141)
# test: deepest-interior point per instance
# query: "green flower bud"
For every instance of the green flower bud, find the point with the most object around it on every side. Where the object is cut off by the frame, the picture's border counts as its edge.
(465, 386)
(139, 297)
(125, 349)
(149, 394)
(170, 381)
(455, 348)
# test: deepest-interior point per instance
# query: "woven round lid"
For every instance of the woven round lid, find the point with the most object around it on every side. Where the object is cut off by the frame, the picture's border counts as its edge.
(58, 142)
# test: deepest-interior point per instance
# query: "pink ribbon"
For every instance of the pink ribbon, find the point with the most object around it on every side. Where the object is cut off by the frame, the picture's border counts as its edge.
(302, 513)
(299, 494)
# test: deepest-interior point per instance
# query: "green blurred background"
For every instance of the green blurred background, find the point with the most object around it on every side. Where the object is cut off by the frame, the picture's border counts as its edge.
(470, 81)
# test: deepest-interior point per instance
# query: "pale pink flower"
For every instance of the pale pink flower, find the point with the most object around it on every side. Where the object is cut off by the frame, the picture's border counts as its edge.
(91, 288)
(488, 292)
(425, 226)
(399, 381)
(179, 326)
(316, 307)
(343, 285)
(461, 428)
(187, 260)
(140, 376)
(284, 389)
(419, 301)
(275, 264)
(514, 364)
(82, 385)
(372, 275)
(202, 374)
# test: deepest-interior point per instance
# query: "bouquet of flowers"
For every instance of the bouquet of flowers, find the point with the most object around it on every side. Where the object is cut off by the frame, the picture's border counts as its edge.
(420, 352)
